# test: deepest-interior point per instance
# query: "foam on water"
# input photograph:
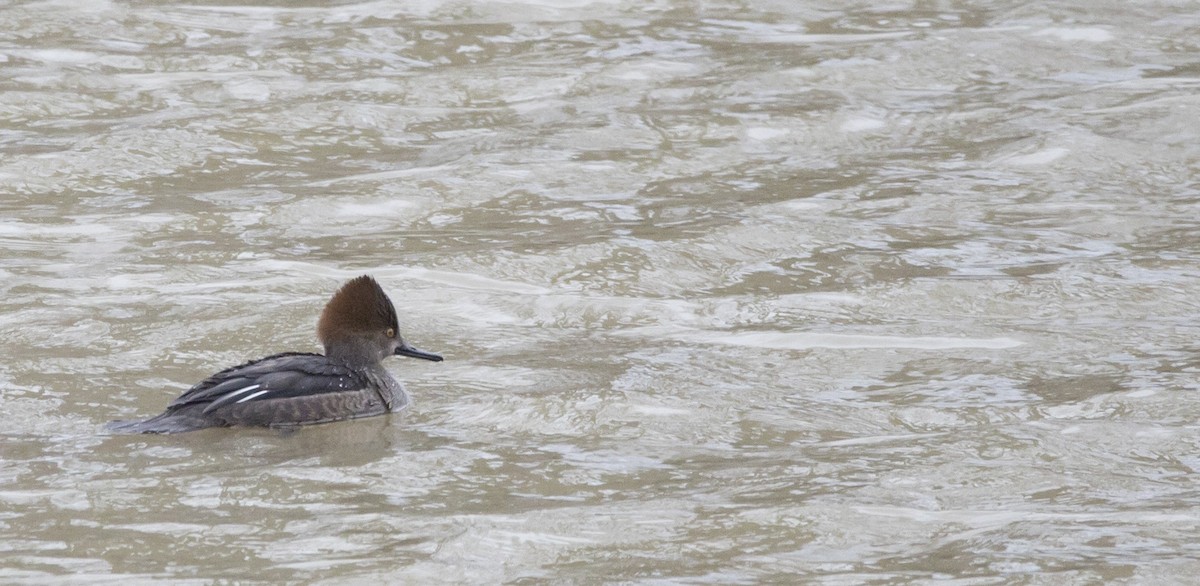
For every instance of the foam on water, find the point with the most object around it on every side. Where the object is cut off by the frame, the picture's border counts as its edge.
(803, 341)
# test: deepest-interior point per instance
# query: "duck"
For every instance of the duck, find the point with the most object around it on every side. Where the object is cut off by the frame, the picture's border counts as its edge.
(358, 329)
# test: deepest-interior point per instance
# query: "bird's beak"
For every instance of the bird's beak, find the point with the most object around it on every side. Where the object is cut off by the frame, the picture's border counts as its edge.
(406, 350)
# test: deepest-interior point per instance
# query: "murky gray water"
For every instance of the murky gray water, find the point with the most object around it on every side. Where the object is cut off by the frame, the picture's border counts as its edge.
(733, 292)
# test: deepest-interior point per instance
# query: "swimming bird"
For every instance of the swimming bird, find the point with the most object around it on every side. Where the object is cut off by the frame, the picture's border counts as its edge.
(358, 329)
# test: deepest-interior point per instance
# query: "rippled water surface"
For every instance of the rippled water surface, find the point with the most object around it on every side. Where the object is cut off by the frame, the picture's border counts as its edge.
(730, 292)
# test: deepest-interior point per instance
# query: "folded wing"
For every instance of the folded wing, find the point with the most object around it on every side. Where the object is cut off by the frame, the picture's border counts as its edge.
(280, 376)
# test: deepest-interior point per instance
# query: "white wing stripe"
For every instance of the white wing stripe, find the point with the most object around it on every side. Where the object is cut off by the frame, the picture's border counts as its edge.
(231, 394)
(248, 397)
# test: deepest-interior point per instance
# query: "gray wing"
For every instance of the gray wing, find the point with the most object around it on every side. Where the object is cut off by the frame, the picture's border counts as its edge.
(275, 377)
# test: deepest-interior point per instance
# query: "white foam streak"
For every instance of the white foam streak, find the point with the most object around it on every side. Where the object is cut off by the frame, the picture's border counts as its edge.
(809, 340)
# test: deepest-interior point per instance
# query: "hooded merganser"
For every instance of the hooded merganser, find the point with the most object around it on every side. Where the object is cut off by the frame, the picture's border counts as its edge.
(358, 329)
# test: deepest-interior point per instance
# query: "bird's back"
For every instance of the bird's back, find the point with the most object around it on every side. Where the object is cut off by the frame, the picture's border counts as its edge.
(283, 390)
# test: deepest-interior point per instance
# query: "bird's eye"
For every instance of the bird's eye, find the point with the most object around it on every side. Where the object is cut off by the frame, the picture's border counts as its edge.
(391, 332)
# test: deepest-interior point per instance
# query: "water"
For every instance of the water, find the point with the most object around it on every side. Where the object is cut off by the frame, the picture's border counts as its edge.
(729, 292)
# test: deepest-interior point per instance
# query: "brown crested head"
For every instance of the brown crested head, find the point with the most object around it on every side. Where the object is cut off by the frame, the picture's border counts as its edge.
(359, 308)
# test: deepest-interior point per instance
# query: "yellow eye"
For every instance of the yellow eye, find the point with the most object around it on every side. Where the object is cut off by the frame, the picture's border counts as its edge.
(391, 333)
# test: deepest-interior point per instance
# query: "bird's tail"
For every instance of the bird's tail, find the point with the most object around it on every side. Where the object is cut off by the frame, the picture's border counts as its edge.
(164, 423)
